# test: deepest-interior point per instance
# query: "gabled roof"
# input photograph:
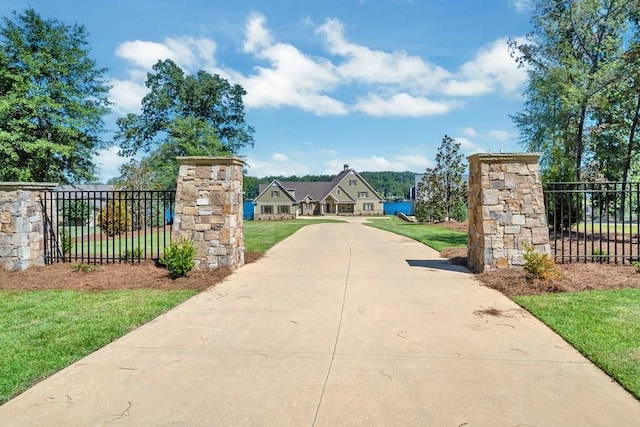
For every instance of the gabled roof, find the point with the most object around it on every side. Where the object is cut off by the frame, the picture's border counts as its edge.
(263, 188)
(317, 191)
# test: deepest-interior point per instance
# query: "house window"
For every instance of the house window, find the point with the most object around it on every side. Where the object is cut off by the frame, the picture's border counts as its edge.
(368, 206)
(283, 209)
(275, 193)
(339, 191)
(363, 194)
(266, 209)
(353, 182)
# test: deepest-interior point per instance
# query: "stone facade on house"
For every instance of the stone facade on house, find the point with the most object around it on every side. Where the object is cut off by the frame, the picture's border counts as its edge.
(21, 225)
(506, 210)
(209, 210)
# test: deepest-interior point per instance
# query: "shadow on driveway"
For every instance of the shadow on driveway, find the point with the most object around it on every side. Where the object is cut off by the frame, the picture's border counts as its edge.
(437, 265)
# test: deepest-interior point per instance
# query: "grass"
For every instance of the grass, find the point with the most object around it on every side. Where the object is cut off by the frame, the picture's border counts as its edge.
(604, 228)
(602, 325)
(43, 331)
(436, 237)
(153, 242)
(260, 236)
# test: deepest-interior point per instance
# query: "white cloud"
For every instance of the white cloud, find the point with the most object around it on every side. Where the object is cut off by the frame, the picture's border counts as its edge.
(490, 70)
(108, 161)
(471, 132)
(378, 163)
(126, 95)
(188, 52)
(500, 135)
(292, 78)
(522, 5)
(378, 67)
(260, 168)
(378, 83)
(279, 157)
(468, 147)
(402, 104)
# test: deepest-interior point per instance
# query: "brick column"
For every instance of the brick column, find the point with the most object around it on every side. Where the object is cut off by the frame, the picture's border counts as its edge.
(506, 210)
(209, 210)
(21, 224)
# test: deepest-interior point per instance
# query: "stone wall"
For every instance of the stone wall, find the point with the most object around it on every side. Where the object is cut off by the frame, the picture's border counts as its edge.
(209, 210)
(506, 210)
(21, 224)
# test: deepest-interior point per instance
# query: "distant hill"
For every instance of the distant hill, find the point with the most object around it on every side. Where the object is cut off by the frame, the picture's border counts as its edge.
(390, 185)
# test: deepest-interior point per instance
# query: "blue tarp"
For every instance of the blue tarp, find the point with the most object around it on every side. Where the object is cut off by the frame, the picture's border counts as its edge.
(247, 210)
(394, 208)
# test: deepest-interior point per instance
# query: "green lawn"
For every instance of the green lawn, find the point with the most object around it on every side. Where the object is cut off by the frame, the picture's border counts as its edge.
(436, 237)
(260, 236)
(43, 331)
(604, 228)
(602, 325)
(152, 243)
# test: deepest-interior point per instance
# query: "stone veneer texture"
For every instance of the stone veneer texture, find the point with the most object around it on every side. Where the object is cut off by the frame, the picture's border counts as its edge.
(506, 210)
(209, 210)
(21, 225)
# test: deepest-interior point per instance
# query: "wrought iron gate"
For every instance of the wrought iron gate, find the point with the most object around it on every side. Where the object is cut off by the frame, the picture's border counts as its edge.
(107, 226)
(594, 221)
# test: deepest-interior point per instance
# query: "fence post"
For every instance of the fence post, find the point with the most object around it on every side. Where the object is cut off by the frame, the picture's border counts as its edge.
(22, 232)
(209, 210)
(506, 210)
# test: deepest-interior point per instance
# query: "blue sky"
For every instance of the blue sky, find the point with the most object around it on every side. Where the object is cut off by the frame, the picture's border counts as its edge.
(372, 83)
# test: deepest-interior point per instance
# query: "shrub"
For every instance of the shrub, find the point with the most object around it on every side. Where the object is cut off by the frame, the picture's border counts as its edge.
(539, 265)
(179, 257)
(65, 241)
(84, 268)
(76, 212)
(115, 218)
(131, 254)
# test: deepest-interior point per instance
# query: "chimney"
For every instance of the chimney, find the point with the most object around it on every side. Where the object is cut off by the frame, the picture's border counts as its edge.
(346, 166)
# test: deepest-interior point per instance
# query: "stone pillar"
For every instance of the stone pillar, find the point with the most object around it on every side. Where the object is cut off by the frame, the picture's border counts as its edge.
(22, 231)
(506, 210)
(209, 210)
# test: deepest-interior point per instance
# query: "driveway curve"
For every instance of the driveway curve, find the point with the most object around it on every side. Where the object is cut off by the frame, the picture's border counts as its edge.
(340, 324)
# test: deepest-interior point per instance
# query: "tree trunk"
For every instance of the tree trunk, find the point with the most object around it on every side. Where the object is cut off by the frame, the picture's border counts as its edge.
(579, 141)
(632, 134)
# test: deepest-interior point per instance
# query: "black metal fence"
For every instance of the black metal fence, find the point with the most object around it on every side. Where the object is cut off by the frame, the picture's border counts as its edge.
(106, 226)
(593, 222)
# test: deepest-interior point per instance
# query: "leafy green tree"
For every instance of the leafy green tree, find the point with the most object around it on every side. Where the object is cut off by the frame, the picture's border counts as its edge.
(442, 193)
(184, 115)
(580, 78)
(52, 100)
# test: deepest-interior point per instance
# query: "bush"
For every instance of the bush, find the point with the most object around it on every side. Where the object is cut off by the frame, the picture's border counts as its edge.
(115, 218)
(66, 241)
(132, 254)
(539, 265)
(179, 257)
(76, 212)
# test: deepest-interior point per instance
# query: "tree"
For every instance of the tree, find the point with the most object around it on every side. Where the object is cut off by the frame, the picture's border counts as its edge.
(184, 115)
(580, 78)
(442, 193)
(52, 100)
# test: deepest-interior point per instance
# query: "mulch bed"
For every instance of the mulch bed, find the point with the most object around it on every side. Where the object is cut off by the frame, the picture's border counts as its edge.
(111, 277)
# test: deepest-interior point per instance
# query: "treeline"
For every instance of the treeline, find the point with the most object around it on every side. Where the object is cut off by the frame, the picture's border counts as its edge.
(390, 185)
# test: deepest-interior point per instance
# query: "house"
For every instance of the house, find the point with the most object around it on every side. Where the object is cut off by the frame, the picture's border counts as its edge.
(347, 194)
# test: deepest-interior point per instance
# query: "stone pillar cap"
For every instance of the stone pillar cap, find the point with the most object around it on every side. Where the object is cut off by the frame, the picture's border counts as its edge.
(10, 186)
(210, 160)
(505, 157)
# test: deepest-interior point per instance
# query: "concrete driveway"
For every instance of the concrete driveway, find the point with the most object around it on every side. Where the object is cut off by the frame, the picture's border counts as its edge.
(341, 324)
